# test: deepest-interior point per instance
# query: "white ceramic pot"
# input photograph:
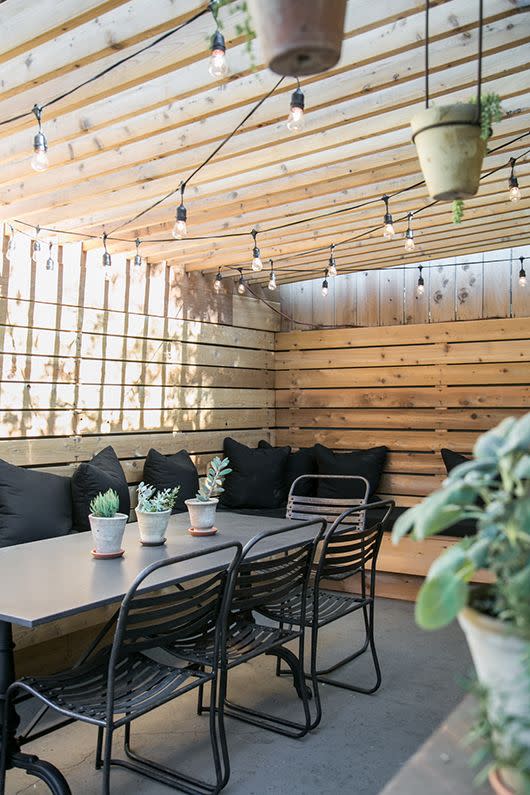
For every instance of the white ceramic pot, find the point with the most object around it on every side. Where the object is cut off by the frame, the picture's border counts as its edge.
(299, 37)
(107, 532)
(202, 515)
(152, 526)
(450, 150)
(499, 658)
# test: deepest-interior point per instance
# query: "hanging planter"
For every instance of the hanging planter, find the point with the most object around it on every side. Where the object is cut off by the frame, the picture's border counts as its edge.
(299, 37)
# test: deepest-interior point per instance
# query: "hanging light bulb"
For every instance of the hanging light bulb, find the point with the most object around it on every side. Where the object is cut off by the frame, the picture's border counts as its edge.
(295, 120)
(50, 262)
(180, 230)
(256, 263)
(420, 289)
(12, 245)
(137, 256)
(409, 235)
(36, 245)
(106, 260)
(388, 229)
(522, 274)
(272, 278)
(39, 161)
(218, 283)
(514, 192)
(325, 285)
(241, 283)
(332, 267)
(218, 66)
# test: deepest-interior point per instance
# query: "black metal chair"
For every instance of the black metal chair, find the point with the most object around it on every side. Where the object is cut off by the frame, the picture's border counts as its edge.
(348, 548)
(329, 508)
(120, 683)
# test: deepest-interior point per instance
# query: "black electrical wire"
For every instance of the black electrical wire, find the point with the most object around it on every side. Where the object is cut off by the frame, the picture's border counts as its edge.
(108, 69)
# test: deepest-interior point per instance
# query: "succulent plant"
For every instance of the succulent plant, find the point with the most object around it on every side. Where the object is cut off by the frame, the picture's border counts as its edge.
(152, 501)
(213, 483)
(105, 505)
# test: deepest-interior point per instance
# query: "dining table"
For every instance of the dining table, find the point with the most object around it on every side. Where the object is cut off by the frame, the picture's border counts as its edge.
(54, 578)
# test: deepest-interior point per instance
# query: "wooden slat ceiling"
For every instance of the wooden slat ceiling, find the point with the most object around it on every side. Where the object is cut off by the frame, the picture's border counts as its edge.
(127, 139)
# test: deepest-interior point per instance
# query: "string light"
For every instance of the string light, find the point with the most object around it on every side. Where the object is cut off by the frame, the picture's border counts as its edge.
(50, 262)
(11, 246)
(332, 267)
(272, 278)
(514, 192)
(388, 230)
(137, 256)
(256, 263)
(522, 274)
(36, 245)
(325, 285)
(218, 67)
(218, 283)
(180, 230)
(241, 283)
(409, 235)
(106, 260)
(39, 161)
(420, 289)
(295, 120)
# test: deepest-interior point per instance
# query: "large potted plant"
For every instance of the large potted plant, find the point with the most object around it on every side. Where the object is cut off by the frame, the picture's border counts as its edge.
(493, 489)
(203, 506)
(153, 512)
(107, 525)
(451, 143)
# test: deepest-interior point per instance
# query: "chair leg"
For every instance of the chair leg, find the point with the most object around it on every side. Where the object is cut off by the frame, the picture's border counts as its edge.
(355, 654)
(99, 748)
(107, 757)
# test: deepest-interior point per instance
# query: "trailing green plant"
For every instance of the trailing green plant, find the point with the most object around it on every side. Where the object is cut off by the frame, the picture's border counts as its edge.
(105, 505)
(213, 483)
(152, 501)
(490, 112)
(494, 490)
(244, 28)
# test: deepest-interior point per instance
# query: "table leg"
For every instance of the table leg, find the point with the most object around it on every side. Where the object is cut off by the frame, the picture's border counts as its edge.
(52, 777)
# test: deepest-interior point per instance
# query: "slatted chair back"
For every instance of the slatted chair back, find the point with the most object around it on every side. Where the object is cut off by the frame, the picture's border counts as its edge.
(157, 611)
(268, 578)
(328, 508)
(349, 547)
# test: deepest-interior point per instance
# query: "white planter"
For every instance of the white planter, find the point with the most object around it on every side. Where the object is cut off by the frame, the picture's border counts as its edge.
(152, 526)
(450, 150)
(202, 515)
(498, 655)
(107, 533)
(299, 37)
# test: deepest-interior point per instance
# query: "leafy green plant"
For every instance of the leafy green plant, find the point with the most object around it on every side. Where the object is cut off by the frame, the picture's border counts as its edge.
(493, 489)
(213, 483)
(152, 501)
(244, 28)
(458, 211)
(105, 505)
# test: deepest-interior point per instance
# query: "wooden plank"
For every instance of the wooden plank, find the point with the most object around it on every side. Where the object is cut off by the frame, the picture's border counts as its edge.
(346, 300)
(416, 308)
(469, 288)
(496, 284)
(402, 441)
(323, 313)
(250, 313)
(368, 298)
(391, 297)
(359, 377)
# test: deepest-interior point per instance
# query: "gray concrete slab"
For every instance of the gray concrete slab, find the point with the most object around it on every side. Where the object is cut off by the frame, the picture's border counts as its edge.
(362, 743)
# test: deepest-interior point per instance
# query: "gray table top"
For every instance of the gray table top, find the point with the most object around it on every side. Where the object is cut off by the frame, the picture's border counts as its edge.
(45, 580)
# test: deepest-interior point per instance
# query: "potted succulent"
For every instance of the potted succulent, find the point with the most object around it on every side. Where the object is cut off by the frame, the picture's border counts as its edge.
(153, 512)
(494, 489)
(107, 525)
(202, 507)
(451, 143)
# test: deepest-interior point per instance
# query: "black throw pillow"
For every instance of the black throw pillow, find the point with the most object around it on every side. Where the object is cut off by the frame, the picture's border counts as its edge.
(452, 459)
(367, 463)
(103, 472)
(258, 476)
(168, 471)
(300, 462)
(33, 505)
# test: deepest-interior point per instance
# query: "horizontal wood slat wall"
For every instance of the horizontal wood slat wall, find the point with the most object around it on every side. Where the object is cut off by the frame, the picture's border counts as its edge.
(415, 389)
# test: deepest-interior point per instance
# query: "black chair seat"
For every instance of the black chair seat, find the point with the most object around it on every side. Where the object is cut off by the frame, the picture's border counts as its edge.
(139, 683)
(331, 605)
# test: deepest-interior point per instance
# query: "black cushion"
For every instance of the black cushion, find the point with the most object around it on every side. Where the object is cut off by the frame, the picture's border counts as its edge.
(300, 462)
(168, 471)
(33, 505)
(258, 476)
(452, 459)
(103, 472)
(366, 463)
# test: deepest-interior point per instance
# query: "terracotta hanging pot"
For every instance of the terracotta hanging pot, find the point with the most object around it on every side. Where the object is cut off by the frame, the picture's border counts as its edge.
(299, 37)
(450, 150)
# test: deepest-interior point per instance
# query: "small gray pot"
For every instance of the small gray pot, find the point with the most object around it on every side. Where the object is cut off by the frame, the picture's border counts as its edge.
(107, 532)
(152, 526)
(202, 515)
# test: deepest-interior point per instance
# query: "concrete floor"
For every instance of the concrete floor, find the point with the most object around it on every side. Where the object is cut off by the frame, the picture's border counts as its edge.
(360, 745)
